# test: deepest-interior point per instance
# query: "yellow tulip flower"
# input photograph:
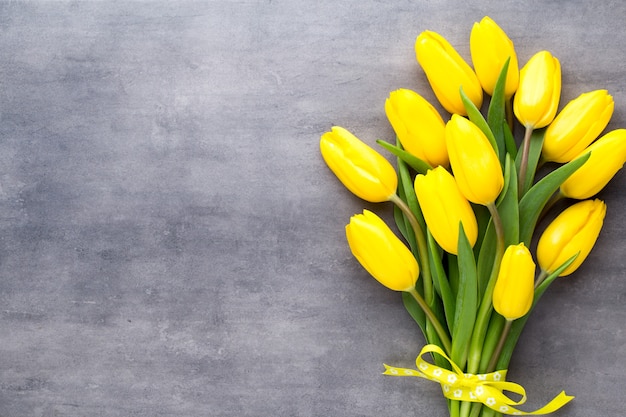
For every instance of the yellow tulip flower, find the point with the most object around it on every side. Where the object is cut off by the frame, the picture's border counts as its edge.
(381, 252)
(490, 48)
(360, 168)
(418, 125)
(537, 97)
(444, 207)
(608, 155)
(515, 286)
(447, 72)
(474, 162)
(577, 125)
(574, 231)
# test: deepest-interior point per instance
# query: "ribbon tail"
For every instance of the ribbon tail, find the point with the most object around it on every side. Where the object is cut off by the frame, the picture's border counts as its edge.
(393, 371)
(556, 403)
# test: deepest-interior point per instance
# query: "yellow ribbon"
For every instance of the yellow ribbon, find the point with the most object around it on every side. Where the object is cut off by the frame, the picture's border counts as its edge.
(484, 388)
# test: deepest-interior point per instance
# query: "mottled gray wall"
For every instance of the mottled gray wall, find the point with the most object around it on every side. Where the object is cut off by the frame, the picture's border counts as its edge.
(171, 243)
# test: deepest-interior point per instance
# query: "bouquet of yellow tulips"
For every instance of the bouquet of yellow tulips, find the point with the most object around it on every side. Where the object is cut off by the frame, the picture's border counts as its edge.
(468, 198)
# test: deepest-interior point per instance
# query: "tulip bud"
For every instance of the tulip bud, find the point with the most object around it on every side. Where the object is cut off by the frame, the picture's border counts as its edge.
(577, 125)
(474, 162)
(418, 125)
(574, 231)
(515, 286)
(490, 48)
(608, 155)
(444, 207)
(537, 97)
(447, 72)
(360, 168)
(381, 252)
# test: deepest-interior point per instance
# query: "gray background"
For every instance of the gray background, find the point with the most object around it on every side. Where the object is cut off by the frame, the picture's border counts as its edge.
(172, 244)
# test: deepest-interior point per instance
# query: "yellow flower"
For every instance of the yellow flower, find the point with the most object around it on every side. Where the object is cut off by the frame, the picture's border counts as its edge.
(608, 155)
(537, 97)
(360, 168)
(515, 286)
(474, 162)
(444, 207)
(490, 48)
(447, 72)
(418, 125)
(574, 231)
(577, 125)
(381, 253)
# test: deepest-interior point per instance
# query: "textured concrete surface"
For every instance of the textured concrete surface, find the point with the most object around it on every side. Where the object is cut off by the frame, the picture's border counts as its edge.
(171, 243)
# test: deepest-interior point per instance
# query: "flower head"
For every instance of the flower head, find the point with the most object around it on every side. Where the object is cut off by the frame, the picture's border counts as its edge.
(579, 123)
(514, 290)
(418, 125)
(572, 232)
(381, 253)
(475, 164)
(360, 168)
(491, 47)
(608, 155)
(537, 97)
(444, 208)
(447, 72)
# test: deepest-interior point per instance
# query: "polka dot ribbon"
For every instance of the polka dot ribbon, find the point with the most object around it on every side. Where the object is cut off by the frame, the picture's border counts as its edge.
(484, 388)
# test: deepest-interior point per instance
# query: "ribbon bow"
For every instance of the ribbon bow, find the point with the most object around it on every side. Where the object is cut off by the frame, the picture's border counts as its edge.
(484, 388)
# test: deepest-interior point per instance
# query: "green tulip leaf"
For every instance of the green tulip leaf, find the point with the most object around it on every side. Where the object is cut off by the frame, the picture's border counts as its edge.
(415, 312)
(440, 281)
(474, 114)
(484, 264)
(401, 224)
(496, 113)
(494, 330)
(453, 272)
(535, 199)
(508, 205)
(406, 193)
(419, 165)
(409, 191)
(483, 218)
(466, 301)
(509, 140)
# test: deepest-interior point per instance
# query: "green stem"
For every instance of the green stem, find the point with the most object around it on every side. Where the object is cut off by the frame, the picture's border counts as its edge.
(496, 324)
(465, 408)
(421, 247)
(490, 412)
(476, 407)
(524, 162)
(486, 306)
(454, 408)
(496, 354)
(542, 276)
(441, 332)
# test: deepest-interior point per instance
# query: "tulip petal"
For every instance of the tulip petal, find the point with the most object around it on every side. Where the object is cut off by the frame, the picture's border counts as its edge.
(381, 253)
(607, 156)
